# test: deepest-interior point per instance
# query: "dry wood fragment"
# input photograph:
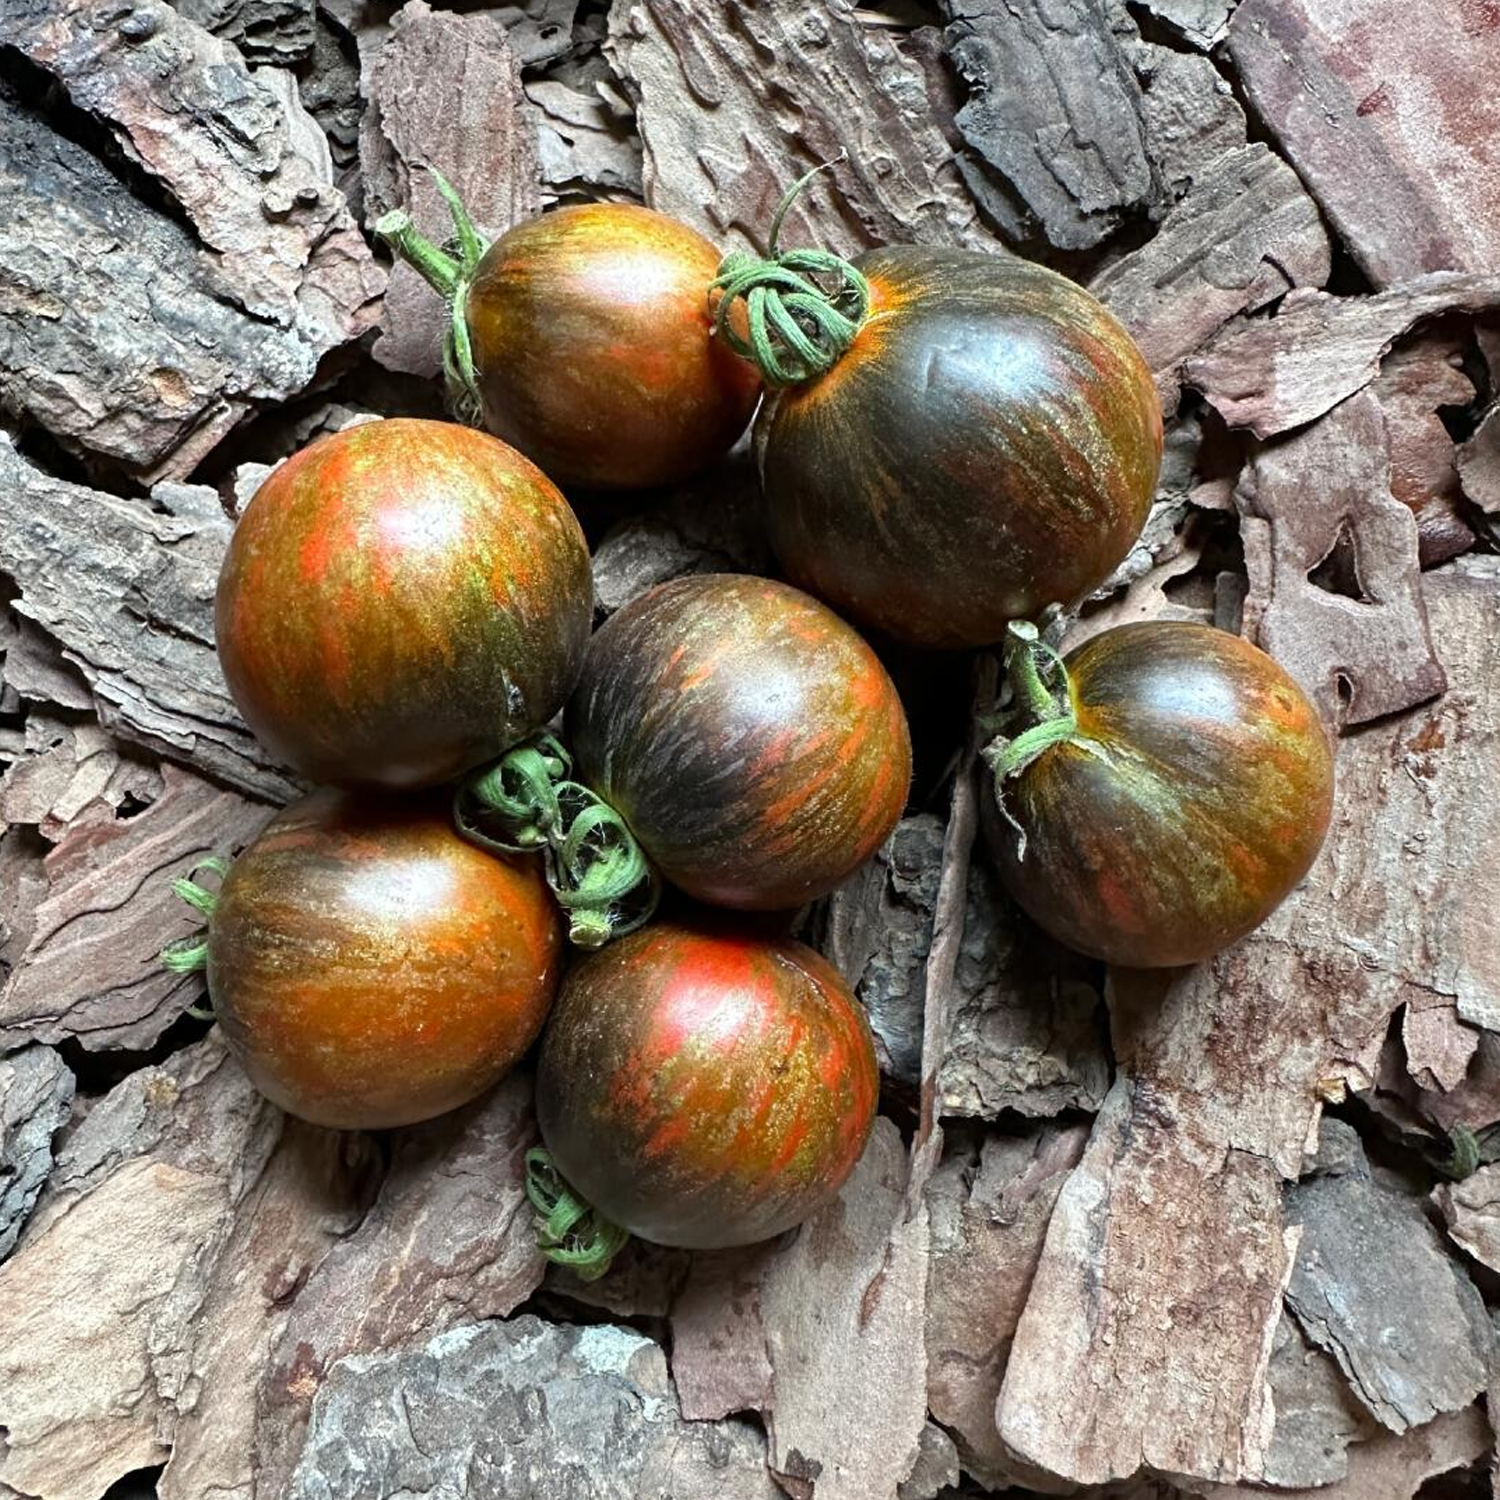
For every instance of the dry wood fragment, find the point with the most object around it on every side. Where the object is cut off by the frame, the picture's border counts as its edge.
(989, 1217)
(276, 277)
(1244, 233)
(274, 32)
(1054, 112)
(1191, 116)
(1373, 1286)
(1416, 378)
(34, 667)
(450, 1237)
(90, 969)
(1471, 1209)
(586, 142)
(70, 774)
(521, 1408)
(1392, 1466)
(1273, 374)
(735, 102)
(36, 1093)
(306, 1197)
(1382, 110)
(127, 592)
(822, 1334)
(444, 92)
(1479, 469)
(1199, 22)
(98, 1304)
(1335, 588)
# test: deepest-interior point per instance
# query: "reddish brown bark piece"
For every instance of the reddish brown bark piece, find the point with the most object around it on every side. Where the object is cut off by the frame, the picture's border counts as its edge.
(91, 969)
(1471, 1209)
(989, 1218)
(709, 77)
(450, 1238)
(823, 1334)
(1417, 377)
(99, 1306)
(1273, 374)
(1479, 469)
(444, 92)
(1385, 111)
(1245, 233)
(1335, 588)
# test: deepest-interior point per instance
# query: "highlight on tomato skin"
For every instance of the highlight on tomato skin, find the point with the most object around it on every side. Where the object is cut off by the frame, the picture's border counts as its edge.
(369, 968)
(705, 1088)
(1193, 798)
(591, 332)
(751, 740)
(400, 602)
(988, 445)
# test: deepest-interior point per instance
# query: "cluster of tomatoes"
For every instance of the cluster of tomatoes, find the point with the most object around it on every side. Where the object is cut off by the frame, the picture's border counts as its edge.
(949, 443)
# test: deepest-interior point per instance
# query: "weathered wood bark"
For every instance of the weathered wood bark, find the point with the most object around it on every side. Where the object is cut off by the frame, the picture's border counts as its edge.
(1348, 88)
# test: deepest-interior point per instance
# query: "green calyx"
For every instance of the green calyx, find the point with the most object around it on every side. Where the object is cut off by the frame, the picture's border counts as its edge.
(803, 308)
(569, 1232)
(189, 955)
(528, 803)
(449, 275)
(1041, 700)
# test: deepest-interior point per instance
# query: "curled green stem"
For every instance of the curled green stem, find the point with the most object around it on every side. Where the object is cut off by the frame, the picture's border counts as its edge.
(569, 1231)
(450, 276)
(1042, 713)
(529, 802)
(189, 955)
(803, 308)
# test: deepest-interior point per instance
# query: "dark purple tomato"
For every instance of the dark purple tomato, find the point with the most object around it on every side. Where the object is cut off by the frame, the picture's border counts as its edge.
(402, 601)
(1194, 795)
(370, 968)
(752, 742)
(987, 446)
(593, 352)
(703, 1088)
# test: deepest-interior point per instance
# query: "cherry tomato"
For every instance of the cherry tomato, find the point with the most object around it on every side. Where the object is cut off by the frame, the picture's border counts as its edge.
(703, 1088)
(590, 330)
(401, 601)
(987, 446)
(752, 742)
(1192, 797)
(370, 968)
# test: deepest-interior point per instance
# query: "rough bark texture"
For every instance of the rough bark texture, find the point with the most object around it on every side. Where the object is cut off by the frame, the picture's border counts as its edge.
(521, 1408)
(1055, 112)
(1333, 558)
(271, 273)
(127, 591)
(444, 93)
(36, 1091)
(706, 76)
(1382, 110)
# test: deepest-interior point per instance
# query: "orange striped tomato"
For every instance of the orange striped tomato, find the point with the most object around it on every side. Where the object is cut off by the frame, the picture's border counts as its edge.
(402, 601)
(705, 1088)
(370, 968)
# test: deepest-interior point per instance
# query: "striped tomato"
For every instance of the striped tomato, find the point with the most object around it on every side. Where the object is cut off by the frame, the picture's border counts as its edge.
(1182, 789)
(370, 968)
(704, 1088)
(401, 601)
(752, 742)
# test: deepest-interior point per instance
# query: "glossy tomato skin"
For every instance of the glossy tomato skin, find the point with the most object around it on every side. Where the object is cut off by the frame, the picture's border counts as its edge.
(988, 446)
(591, 334)
(705, 1088)
(402, 601)
(753, 743)
(369, 968)
(1202, 803)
